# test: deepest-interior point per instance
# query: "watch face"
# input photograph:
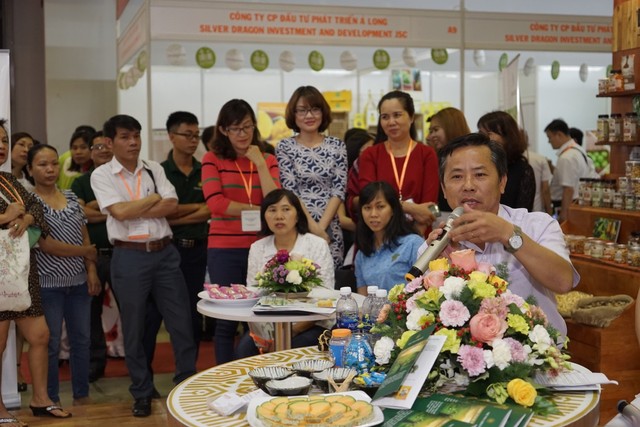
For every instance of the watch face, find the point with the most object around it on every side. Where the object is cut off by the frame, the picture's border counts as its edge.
(515, 241)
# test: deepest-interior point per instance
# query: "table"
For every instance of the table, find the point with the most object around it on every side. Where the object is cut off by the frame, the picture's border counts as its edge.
(187, 402)
(244, 314)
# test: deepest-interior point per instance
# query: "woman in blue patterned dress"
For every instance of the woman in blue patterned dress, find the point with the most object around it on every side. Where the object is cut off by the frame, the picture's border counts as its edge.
(314, 166)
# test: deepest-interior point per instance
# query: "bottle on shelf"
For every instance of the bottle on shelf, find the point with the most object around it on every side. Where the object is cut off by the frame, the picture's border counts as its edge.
(347, 310)
(370, 111)
(365, 315)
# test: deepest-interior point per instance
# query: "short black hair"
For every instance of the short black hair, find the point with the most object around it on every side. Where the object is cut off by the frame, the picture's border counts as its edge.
(354, 139)
(577, 135)
(398, 224)
(176, 118)
(498, 155)
(558, 125)
(121, 121)
(207, 136)
(232, 113)
(31, 154)
(302, 226)
(85, 136)
(18, 136)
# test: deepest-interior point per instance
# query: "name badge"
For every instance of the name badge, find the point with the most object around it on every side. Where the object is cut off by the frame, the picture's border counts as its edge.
(250, 220)
(138, 229)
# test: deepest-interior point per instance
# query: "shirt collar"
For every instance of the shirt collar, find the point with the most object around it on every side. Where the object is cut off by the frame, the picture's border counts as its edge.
(174, 168)
(116, 167)
(566, 145)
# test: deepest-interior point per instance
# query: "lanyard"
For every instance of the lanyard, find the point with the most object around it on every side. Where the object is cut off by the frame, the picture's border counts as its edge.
(12, 190)
(567, 148)
(247, 186)
(137, 195)
(400, 179)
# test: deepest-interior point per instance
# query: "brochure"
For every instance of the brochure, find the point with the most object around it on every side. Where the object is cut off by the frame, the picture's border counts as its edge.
(468, 411)
(409, 371)
(279, 305)
(607, 229)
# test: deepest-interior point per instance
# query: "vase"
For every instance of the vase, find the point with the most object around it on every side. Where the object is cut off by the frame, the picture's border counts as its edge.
(291, 295)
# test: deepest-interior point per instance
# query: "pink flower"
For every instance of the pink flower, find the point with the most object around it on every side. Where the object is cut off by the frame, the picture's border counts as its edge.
(465, 259)
(518, 352)
(411, 302)
(384, 313)
(487, 327)
(413, 285)
(434, 279)
(496, 306)
(485, 268)
(472, 360)
(454, 313)
(511, 298)
(538, 315)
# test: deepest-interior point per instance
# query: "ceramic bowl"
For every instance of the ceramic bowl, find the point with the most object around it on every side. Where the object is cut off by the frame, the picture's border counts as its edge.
(309, 366)
(338, 375)
(260, 376)
(292, 386)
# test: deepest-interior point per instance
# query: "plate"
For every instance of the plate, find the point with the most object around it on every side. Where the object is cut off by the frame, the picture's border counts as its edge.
(247, 302)
(253, 421)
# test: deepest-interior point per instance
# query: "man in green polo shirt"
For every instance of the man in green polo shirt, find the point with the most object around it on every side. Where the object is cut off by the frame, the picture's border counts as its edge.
(101, 153)
(189, 224)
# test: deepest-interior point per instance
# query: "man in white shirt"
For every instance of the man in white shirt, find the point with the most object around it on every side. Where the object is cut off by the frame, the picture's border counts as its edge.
(136, 196)
(573, 164)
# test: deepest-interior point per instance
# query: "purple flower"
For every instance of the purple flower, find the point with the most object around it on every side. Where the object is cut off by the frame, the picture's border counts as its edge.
(413, 285)
(282, 256)
(518, 352)
(454, 313)
(511, 298)
(472, 360)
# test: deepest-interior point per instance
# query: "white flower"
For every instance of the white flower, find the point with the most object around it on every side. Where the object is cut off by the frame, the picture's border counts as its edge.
(461, 379)
(294, 277)
(488, 358)
(501, 353)
(541, 339)
(416, 319)
(382, 350)
(452, 287)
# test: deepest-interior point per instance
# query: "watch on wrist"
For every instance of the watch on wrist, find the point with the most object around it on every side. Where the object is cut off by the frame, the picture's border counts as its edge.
(515, 241)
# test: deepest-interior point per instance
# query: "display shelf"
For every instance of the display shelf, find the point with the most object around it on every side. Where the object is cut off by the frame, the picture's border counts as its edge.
(582, 218)
(619, 94)
(613, 144)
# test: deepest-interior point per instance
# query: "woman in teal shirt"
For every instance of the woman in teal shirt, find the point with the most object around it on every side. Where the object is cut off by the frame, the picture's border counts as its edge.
(387, 243)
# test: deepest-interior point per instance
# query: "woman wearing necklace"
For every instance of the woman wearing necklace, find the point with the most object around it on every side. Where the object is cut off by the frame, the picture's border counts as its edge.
(236, 176)
(314, 166)
(410, 166)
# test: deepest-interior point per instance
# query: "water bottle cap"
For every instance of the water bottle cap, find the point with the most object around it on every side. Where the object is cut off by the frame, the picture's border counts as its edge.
(340, 333)
(371, 290)
(381, 293)
(345, 290)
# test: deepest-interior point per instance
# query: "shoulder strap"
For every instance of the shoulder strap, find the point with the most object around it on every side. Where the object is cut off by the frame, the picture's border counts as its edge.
(148, 169)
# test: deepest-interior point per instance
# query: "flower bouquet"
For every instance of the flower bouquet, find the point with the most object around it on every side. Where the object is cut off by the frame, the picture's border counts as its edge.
(495, 340)
(289, 273)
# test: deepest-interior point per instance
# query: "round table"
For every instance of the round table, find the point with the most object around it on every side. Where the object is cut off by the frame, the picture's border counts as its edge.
(187, 402)
(244, 314)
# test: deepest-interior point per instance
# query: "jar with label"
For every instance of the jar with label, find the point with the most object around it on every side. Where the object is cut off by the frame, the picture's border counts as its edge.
(630, 202)
(597, 249)
(338, 344)
(578, 244)
(607, 193)
(603, 128)
(632, 169)
(633, 256)
(618, 200)
(609, 251)
(615, 127)
(629, 124)
(634, 186)
(596, 193)
(603, 86)
(616, 81)
(587, 245)
(623, 184)
(583, 188)
(621, 253)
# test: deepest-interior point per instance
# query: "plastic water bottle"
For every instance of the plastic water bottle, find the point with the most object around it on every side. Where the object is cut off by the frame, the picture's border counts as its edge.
(380, 301)
(347, 310)
(366, 308)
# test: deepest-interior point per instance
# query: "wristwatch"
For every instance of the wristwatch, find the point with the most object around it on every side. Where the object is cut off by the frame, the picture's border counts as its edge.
(515, 241)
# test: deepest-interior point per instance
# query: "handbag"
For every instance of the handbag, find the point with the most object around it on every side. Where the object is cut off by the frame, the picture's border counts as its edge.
(14, 272)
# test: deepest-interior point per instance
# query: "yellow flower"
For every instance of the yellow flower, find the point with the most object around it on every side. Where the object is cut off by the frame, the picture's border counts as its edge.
(498, 282)
(432, 295)
(394, 292)
(478, 276)
(402, 341)
(452, 343)
(518, 323)
(439, 264)
(482, 289)
(522, 392)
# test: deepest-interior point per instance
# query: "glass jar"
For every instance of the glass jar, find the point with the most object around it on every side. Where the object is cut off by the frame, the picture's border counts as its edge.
(603, 128)
(615, 127)
(629, 202)
(629, 124)
(578, 244)
(607, 193)
(338, 345)
(616, 81)
(359, 354)
(609, 251)
(596, 193)
(618, 200)
(621, 254)
(633, 256)
(634, 237)
(632, 169)
(587, 245)
(603, 86)
(597, 249)
(623, 184)
(569, 240)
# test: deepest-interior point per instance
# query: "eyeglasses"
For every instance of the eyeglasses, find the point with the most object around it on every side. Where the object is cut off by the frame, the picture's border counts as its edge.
(191, 136)
(99, 147)
(235, 130)
(302, 112)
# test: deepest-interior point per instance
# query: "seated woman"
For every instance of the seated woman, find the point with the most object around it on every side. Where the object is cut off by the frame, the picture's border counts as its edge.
(285, 226)
(387, 244)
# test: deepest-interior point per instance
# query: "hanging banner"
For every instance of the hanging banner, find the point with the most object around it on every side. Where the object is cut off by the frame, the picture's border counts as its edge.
(511, 90)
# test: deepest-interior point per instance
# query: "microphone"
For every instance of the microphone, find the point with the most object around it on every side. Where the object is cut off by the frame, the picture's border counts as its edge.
(629, 412)
(435, 248)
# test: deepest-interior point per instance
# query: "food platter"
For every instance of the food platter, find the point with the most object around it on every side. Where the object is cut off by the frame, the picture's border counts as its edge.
(246, 302)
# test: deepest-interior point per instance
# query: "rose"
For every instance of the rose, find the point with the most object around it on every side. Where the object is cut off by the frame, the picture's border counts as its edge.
(294, 277)
(486, 327)
(465, 259)
(485, 268)
(522, 392)
(434, 279)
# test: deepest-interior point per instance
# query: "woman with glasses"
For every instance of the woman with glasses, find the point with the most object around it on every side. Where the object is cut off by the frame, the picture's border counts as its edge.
(236, 175)
(410, 166)
(314, 166)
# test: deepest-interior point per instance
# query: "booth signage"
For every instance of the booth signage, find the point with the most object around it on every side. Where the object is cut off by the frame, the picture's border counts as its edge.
(316, 60)
(381, 59)
(259, 60)
(205, 57)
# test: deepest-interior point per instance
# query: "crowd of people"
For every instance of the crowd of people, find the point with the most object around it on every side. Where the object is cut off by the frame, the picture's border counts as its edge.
(153, 231)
